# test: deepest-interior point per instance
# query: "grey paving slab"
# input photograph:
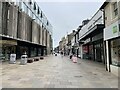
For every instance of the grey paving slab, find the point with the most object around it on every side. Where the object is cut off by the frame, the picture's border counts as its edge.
(57, 72)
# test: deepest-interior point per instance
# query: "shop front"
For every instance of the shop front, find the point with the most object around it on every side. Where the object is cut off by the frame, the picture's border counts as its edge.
(87, 49)
(98, 49)
(7, 47)
(112, 40)
(115, 52)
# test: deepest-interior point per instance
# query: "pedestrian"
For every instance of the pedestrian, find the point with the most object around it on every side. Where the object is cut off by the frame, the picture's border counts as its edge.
(70, 56)
(74, 58)
(62, 54)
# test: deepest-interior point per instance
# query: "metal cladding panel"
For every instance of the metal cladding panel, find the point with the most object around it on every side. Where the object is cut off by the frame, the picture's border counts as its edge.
(12, 21)
(0, 17)
(24, 27)
(40, 35)
(45, 37)
(4, 17)
(29, 27)
(20, 25)
(35, 32)
(15, 20)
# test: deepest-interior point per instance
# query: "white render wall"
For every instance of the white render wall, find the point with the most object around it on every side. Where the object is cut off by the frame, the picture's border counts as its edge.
(94, 20)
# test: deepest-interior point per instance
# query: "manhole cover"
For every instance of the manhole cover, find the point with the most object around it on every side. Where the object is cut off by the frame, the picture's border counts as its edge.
(78, 76)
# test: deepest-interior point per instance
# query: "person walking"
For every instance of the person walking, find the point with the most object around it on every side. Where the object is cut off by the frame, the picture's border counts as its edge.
(62, 54)
(74, 58)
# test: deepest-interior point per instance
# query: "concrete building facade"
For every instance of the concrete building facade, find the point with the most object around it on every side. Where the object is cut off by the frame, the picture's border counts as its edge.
(24, 28)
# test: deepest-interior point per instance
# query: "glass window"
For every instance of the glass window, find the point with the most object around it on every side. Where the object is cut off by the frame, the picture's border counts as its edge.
(115, 9)
(115, 52)
(35, 6)
(38, 11)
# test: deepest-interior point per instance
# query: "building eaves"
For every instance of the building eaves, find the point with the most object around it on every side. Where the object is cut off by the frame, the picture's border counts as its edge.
(104, 4)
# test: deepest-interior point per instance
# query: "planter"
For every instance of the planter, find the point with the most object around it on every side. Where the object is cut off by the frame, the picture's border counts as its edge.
(30, 60)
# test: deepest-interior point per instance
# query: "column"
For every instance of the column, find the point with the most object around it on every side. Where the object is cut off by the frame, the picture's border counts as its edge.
(107, 55)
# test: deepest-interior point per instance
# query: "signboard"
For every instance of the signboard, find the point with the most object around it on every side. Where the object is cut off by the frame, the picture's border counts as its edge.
(114, 29)
(8, 42)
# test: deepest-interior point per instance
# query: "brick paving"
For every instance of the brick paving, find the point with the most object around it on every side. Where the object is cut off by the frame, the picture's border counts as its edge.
(57, 72)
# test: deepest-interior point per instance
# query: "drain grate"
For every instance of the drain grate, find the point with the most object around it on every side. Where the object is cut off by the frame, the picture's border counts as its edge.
(94, 74)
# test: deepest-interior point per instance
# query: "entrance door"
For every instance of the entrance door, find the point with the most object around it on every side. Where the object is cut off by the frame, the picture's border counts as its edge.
(98, 53)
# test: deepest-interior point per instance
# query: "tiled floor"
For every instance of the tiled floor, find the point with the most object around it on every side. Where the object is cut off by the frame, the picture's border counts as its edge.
(57, 72)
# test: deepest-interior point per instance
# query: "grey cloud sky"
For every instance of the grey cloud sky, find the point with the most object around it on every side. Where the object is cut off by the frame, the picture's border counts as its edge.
(66, 16)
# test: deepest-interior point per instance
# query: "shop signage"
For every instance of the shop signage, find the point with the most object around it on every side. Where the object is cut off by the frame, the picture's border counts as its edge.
(87, 41)
(8, 42)
(114, 29)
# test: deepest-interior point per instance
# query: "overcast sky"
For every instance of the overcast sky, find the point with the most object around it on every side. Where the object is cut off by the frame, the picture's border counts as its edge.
(67, 16)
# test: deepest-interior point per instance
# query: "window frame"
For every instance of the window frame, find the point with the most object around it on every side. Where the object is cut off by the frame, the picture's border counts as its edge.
(115, 9)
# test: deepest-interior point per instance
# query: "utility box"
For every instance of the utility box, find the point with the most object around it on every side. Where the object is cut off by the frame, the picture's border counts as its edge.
(12, 58)
(23, 60)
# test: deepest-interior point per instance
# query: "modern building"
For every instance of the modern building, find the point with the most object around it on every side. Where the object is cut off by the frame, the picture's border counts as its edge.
(112, 34)
(24, 28)
(91, 38)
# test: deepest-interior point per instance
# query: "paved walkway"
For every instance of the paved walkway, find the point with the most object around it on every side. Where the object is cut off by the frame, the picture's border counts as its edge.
(57, 72)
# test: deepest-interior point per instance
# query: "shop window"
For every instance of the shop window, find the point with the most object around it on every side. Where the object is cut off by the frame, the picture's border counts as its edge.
(35, 6)
(38, 12)
(41, 15)
(115, 52)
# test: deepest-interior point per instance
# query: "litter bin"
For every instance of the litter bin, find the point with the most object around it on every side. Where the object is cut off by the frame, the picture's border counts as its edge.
(12, 58)
(23, 60)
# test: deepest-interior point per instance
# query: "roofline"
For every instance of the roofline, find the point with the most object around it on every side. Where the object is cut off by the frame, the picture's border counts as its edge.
(104, 4)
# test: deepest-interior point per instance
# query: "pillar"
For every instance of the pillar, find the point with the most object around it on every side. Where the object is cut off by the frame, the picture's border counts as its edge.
(107, 55)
